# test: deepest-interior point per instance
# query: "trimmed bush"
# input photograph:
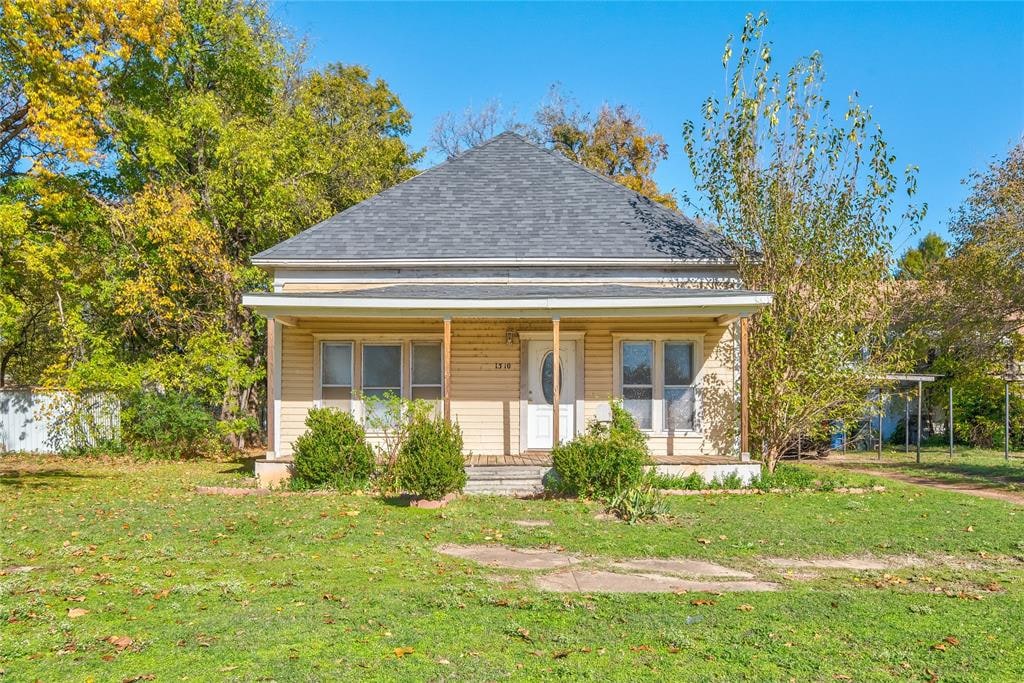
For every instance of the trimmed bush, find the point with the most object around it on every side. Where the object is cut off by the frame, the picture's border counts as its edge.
(332, 453)
(605, 460)
(430, 463)
(169, 425)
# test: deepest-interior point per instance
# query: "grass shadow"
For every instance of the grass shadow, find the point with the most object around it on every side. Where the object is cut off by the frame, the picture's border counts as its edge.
(43, 478)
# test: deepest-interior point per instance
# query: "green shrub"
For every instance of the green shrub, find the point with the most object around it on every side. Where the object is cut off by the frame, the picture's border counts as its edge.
(785, 477)
(606, 459)
(691, 482)
(168, 425)
(637, 504)
(332, 453)
(430, 463)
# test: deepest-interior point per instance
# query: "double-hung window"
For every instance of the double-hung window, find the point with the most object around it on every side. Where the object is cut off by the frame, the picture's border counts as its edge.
(336, 375)
(638, 381)
(657, 383)
(426, 371)
(382, 372)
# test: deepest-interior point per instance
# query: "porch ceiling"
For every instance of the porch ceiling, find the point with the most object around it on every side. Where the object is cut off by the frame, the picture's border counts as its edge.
(539, 301)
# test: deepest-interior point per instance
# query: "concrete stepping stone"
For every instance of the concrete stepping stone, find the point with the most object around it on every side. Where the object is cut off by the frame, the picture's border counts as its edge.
(531, 522)
(683, 567)
(610, 582)
(510, 558)
(850, 563)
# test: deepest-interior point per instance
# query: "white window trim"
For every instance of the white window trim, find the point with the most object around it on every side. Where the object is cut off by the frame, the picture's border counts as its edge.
(658, 400)
(357, 341)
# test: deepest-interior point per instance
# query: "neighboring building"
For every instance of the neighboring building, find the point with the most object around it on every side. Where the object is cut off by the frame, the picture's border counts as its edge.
(452, 286)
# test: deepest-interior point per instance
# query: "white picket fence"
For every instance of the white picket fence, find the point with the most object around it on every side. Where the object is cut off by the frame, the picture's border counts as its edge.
(44, 421)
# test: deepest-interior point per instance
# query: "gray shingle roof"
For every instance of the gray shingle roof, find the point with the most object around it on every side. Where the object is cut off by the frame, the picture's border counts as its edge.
(492, 292)
(506, 199)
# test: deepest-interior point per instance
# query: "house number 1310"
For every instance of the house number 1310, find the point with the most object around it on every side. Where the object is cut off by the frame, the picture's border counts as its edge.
(502, 366)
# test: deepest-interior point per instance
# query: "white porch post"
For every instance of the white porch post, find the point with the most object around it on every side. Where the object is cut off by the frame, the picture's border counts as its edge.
(273, 386)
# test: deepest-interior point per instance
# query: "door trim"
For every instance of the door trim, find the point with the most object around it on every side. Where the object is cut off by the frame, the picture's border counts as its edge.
(524, 371)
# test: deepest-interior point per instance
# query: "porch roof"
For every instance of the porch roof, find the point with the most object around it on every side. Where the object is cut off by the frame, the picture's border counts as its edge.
(470, 300)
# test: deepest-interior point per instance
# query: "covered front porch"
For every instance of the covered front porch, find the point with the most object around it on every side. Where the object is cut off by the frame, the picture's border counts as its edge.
(487, 355)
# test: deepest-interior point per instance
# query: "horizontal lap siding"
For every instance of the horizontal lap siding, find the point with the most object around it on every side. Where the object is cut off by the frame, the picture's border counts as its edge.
(485, 396)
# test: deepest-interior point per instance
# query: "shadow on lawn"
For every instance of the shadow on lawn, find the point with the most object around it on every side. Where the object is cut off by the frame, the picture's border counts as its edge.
(35, 479)
(999, 474)
(241, 465)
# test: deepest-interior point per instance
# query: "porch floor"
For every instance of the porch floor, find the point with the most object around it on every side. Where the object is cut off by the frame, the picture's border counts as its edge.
(543, 459)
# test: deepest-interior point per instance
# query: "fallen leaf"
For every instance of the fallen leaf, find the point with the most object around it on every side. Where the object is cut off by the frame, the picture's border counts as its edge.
(120, 642)
(76, 612)
(403, 651)
(698, 603)
(524, 634)
(952, 640)
(969, 528)
(745, 608)
(941, 647)
(160, 595)
(642, 648)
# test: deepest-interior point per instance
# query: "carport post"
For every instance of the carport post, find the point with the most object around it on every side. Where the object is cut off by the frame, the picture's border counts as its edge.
(906, 423)
(920, 400)
(881, 410)
(951, 420)
(1006, 423)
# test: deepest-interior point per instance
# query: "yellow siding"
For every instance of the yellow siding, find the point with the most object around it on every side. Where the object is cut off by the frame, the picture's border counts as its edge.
(486, 375)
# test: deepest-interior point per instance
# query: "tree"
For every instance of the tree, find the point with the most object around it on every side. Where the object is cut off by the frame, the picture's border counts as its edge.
(614, 143)
(929, 253)
(808, 201)
(978, 296)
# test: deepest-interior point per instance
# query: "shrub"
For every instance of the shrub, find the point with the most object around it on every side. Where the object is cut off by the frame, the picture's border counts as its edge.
(606, 459)
(430, 463)
(168, 425)
(785, 477)
(390, 418)
(691, 482)
(637, 504)
(332, 452)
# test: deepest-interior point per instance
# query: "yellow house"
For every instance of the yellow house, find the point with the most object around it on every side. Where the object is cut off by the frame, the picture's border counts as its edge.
(470, 283)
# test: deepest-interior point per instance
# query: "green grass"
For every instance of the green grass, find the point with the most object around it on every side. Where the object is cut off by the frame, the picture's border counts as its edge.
(968, 465)
(327, 587)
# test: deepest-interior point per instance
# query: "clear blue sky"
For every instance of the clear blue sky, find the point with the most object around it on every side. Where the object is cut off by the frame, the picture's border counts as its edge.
(945, 80)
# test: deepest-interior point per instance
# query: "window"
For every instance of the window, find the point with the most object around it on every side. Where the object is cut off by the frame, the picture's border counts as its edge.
(657, 383)
(547, 378)
(382, 370)
(336, 375)
(638, 381)
(679, 393)
(426, 371)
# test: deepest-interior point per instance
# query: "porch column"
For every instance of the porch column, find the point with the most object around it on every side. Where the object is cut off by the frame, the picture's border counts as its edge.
(556, 382)
(744, 389)
(446, 363)
(272, 363)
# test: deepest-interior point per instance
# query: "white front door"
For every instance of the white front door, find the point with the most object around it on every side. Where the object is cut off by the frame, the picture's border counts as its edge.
(540, 393)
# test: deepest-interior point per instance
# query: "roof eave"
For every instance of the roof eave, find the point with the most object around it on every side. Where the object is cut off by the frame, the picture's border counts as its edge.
(468, 261)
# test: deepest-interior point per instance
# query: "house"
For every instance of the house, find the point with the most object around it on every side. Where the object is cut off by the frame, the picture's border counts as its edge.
(471, 282)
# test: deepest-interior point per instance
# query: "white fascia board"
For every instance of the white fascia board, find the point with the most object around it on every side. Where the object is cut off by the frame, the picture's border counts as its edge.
(298, 304)
(405, 263)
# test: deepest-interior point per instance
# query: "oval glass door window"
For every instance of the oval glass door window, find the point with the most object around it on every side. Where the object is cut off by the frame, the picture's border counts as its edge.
(547, 377)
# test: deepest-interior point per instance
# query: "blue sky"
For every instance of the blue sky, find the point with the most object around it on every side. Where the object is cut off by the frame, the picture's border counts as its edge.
(945, 80)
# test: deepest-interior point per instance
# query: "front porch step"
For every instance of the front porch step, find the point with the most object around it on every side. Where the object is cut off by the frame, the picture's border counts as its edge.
(505, 480)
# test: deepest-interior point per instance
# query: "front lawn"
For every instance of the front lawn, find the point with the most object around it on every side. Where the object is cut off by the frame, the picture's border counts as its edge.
(968, 465)
(299, 587)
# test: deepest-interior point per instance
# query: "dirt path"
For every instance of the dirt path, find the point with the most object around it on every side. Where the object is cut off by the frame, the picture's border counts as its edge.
(969, 488)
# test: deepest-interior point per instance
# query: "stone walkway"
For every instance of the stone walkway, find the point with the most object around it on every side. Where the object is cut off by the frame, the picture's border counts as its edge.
(579, 574)
(640, 575)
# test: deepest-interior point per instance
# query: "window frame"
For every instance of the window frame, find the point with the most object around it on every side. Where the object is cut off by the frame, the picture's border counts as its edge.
(620, 369)
(658, 404)
(413, 384)
(351, 370)
(405, 341)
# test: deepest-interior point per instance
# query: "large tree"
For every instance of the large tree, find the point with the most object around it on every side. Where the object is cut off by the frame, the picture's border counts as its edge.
(917, 262)
(209, 149)
(808, 199)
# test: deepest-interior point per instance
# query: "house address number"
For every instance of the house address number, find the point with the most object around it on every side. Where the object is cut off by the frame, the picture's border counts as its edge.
(503, 366)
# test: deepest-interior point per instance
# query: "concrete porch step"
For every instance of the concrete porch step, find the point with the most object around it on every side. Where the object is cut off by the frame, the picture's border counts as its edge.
(505, 480)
